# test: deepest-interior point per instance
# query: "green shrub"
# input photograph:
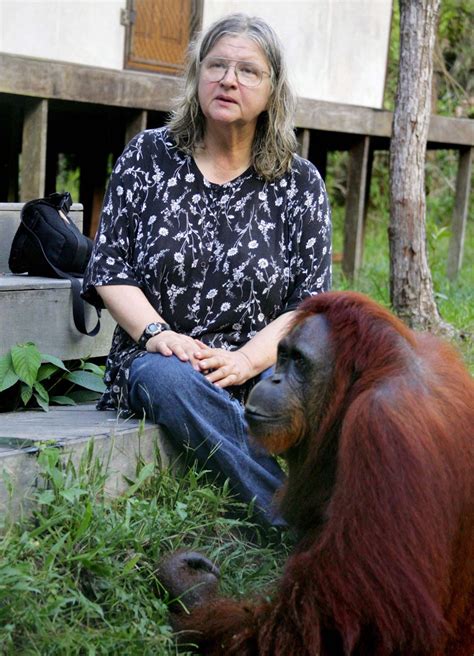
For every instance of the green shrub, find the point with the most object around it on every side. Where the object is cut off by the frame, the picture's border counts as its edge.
(36, 379)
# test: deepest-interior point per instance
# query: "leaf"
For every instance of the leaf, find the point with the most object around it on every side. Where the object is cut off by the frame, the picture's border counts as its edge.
(90, 606)
(58, 546)
(46, 371)
(181, 510)
(45, 357)
(130, 564)
(26, 392)
(83, 396)
(42, 404)
(90, 366)
(145, 472)
(71, 494)
(46, 497)
(62, 400)
(208, 494)
(48, 458)
(85, 522)
(8, 377)
(38, 387)
(86, 379)
(58, 478)
(26, 361)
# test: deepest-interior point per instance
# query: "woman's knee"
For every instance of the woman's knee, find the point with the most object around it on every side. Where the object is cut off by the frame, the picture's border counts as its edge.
(154, 376)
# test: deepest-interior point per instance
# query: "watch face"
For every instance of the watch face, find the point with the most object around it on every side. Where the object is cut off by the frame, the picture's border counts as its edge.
(153, 329)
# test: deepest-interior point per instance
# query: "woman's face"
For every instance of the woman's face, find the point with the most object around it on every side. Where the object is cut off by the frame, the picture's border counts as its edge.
(228, 101)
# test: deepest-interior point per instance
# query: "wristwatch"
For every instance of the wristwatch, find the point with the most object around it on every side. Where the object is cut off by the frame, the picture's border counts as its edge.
(150, 331)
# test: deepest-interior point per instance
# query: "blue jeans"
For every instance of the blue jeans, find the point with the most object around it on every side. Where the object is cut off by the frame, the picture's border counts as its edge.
(197, 414)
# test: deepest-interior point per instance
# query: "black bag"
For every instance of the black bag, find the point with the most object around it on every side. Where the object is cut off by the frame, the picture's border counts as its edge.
(48, 243)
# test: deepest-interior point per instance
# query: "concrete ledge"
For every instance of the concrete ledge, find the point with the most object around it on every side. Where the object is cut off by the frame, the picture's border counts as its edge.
(39, 310)
(118, 444)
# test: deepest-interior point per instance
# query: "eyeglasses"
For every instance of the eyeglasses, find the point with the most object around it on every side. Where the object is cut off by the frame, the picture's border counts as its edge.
(214, 69)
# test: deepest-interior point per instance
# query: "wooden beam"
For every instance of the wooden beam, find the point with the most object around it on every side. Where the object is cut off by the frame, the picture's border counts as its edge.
(355, 207)
(43, 78)
(463, 188)
(446, 132)
(336, 117)
(33, 150)
(136, 124)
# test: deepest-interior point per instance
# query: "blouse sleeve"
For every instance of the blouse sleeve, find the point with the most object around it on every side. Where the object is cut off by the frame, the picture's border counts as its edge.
(310, 235)
(111, 261)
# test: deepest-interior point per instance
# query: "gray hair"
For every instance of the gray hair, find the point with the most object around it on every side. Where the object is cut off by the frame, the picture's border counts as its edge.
(274, 143)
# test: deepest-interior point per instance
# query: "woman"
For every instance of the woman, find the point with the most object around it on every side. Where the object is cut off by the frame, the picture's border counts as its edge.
(212, 232)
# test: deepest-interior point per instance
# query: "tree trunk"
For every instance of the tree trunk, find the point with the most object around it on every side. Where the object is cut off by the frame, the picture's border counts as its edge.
(411, 286)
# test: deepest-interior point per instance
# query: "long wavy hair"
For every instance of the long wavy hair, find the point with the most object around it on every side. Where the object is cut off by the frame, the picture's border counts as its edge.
(274, 142)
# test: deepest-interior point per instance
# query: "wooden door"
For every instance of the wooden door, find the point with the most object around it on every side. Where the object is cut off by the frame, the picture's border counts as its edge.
(159, 32)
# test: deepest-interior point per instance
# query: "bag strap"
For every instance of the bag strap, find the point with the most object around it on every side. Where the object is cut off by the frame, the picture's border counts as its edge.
(78, 313)
(61, 201)
(78, 308)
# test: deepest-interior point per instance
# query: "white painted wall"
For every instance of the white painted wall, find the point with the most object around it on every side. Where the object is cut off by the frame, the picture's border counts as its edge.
(78, 31)
(336, 49)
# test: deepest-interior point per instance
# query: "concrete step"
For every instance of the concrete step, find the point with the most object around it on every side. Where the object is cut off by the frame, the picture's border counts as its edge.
(39, 310)
(118, 444)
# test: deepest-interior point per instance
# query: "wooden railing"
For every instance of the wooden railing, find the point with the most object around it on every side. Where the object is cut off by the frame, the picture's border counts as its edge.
(93, 112)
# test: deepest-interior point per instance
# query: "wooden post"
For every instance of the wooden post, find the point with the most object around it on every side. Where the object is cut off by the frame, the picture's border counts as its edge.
(463, 184)
(303, 138)
(355, 207)
(136, 124)
(33, 150)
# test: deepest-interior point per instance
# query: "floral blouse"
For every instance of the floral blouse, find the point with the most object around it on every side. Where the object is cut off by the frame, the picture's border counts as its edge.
(217, 261)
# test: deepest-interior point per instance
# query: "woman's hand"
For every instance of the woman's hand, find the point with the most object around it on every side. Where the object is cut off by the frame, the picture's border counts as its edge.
(225, 368)
(182, 346)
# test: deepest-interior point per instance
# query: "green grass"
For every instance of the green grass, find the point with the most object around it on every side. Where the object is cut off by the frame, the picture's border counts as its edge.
(78, 577)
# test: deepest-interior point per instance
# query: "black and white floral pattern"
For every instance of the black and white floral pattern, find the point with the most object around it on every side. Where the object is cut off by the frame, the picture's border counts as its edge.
(218, 262)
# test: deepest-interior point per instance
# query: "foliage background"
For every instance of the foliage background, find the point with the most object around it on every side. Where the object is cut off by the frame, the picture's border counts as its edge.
(453, 95)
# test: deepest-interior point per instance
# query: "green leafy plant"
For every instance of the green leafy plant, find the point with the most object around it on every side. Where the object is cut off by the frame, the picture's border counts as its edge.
(34, 379)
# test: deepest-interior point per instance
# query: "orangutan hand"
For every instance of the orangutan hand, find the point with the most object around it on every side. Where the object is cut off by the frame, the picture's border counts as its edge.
(188, 577)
